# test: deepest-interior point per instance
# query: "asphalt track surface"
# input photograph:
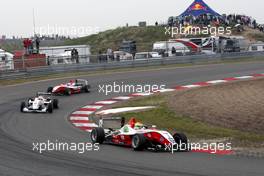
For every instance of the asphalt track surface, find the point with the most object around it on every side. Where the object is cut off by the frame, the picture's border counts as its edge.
(18, 131)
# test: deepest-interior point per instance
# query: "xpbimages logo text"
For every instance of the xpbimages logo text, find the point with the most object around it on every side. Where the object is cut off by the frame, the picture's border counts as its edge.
(116, 87)
(212, 148)
(197, 31)
(72, 31)
(53, 146)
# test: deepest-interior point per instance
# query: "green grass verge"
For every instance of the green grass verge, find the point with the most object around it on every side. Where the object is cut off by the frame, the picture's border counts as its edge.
(166, 118)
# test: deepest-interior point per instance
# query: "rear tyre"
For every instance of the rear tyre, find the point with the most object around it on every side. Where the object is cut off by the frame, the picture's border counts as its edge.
(50, 89)
(86, 88)
(22, 106)
(139, 142)
(181, 140)
(50, 108)
(55, 103)
(67, 92)
(98, 135)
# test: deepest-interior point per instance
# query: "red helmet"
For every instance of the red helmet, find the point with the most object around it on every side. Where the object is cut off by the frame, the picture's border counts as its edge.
(132, 122)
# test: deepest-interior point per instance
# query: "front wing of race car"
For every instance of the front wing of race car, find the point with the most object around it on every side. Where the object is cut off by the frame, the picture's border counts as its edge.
(43, 110)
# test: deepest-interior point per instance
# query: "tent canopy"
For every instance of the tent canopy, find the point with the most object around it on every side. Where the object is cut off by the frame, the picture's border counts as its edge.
(197, 8)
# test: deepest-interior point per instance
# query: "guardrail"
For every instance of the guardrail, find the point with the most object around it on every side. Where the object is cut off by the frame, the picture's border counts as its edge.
(194, 59)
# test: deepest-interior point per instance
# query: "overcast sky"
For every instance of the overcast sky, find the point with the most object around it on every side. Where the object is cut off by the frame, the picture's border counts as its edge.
(89, 16)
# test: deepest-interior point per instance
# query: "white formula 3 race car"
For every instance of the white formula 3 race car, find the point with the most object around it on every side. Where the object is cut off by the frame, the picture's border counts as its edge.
(42, 103)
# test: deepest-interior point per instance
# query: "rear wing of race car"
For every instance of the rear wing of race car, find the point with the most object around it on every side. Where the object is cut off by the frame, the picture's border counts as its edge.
(120, 121)
(81, 80)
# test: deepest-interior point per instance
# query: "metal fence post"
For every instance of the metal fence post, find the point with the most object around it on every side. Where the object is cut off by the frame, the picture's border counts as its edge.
(23, 62)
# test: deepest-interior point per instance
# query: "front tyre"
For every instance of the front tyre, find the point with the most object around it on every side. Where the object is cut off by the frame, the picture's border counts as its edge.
(50, 108)
(55, 103)
(86, 88)
(98, 135)
(139, 142)
(22, 106)
(182, 141)
(67, 92)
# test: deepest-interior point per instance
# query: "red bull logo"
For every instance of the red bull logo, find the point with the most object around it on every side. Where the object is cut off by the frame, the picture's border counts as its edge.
(198, 6)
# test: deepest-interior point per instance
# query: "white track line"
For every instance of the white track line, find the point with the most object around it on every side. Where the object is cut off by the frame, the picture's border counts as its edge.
(216, 81)
(244, 77)
(122, 98)
(191, 86)
(107, 102)
(85, 125)
(93, 106)
(83, 112)
(142, 94)
(165, 90)
(121, 110)
(79, 118)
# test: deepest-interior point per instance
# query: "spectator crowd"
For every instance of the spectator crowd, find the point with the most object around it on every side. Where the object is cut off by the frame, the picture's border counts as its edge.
(208, 19)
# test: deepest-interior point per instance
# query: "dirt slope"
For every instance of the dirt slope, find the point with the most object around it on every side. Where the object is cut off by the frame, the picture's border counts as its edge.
(238, 105)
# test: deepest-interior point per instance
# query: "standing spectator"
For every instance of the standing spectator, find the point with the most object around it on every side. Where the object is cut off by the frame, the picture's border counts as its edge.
(30, 46)
(26, 44)
(173, 51)
(117, 57)
(37, 41)
(100, 56)
(254, 24)
(109, 53)
(77, 56)
(72, 55)
(48, 60)
(261, 28)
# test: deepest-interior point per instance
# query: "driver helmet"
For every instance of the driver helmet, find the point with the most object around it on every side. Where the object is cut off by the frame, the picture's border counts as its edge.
(138, 126)
(41, 97)
(72, 82)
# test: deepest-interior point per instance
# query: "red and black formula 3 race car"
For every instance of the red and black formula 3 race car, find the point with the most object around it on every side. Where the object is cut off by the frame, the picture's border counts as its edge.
(73, 87)
(138, 136)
